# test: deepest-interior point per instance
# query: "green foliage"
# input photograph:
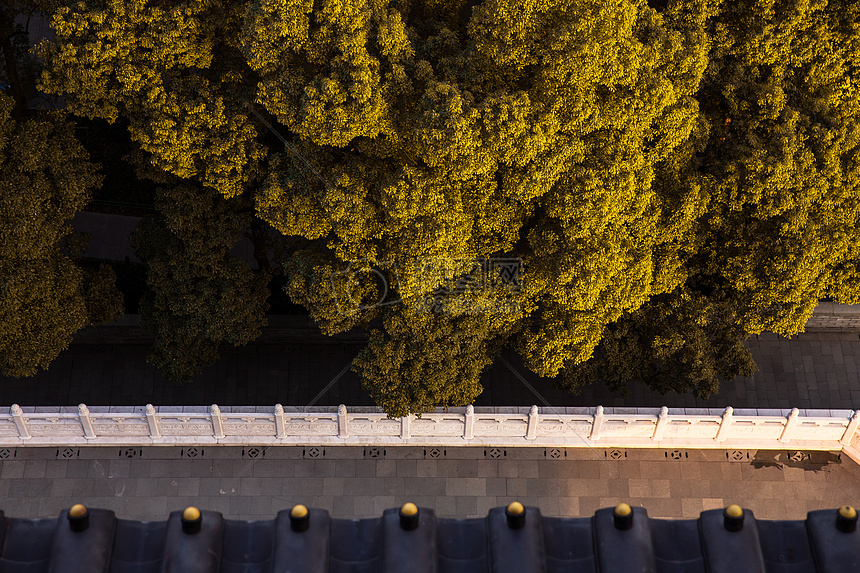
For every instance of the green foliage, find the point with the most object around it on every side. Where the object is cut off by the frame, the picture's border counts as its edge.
(198, 293)
(321, 78)
(672, 180)
(18, 69)
(677, 342)
(45, 178)
(163, 67)
(780, 171)
(783, 175)
(104, 301)
(505, 138)
(425, 349)
(41, 308)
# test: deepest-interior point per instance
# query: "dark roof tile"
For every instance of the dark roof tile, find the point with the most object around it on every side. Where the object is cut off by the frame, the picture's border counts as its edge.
(462, 545)
(438, 545)
(138, 546)
(26, 543)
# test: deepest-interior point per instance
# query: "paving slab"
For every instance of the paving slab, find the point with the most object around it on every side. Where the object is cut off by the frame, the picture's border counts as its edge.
(802, 372)
(147, 489)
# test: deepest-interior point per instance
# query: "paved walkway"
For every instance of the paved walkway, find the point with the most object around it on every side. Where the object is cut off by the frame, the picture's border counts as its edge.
(291, 364)
(461, 482)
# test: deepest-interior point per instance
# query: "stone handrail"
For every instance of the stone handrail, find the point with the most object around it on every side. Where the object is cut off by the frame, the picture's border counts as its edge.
(507, 427)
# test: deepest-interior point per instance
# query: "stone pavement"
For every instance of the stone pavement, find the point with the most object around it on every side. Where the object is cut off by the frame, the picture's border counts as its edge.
(460, 482)
(292, 363)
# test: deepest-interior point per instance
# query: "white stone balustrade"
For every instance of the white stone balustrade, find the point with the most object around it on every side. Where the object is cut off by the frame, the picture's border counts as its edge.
(794, 429)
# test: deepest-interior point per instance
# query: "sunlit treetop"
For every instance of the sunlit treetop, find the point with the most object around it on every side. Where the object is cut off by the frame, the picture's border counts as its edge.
(162, 66)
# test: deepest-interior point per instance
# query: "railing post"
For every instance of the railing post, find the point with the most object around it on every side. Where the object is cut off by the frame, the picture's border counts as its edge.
(790, 423)
(724, 424)
(280, 425)
(86, 422)
(662, 420)
(534, 418)
(470, 422)
(853, 422)
(18, 417)
(152, 420)
(597, 424)
(406, 427)
(342, 429)
(217, 424)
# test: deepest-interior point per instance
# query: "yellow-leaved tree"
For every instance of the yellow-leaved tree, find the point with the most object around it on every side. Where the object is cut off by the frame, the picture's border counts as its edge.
(529, 131)
(781, 173)
(45, 297)
(541, 175)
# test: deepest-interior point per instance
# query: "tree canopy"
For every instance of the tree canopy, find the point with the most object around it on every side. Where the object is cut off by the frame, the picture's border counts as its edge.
(198, 293)
(669, 180)
(781, 173)
(45, 178)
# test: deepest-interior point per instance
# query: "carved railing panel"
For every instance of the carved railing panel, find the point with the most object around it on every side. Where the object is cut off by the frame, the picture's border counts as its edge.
(822, 429)
(693, 428)
(120, 426)
(8, 428)
(312, 425)
(628, 427)
(564, 427)
(819, 430)
(190, 425)
(373, 425)
(248, 424)
(438, 425)
(500, 425)
(764, 428)
(51, 426)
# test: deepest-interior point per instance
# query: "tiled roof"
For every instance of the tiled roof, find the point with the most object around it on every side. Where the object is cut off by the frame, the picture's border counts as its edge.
(311, 541)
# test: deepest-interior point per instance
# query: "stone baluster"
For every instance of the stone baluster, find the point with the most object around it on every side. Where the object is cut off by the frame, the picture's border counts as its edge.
(18, 417)
(217, 423)
(152, 420)
(406, 427)
(724, 424)
(468, 427)
(597, 424)
(534, 419)
(790, 422)
(342, 428)
(662, 420)
(280, 424)
(853, 422)
(86, 422)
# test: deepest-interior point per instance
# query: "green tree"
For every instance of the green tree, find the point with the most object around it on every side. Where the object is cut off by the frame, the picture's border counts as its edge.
(173, 70)
(783, 177)
(45, 178)
(678, 342)
(781, 173)
(637, 161)
(533, 131)
(198, 293)
(19, 70)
